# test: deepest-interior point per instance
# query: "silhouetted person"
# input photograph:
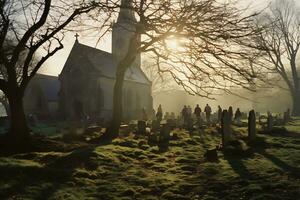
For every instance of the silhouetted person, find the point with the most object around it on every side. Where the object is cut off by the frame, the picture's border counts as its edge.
(184, 113)
(197, 112)
(219, 114)
(207, 111)
(230, 112)
(159, 113)
(189, 111)
(238, 116)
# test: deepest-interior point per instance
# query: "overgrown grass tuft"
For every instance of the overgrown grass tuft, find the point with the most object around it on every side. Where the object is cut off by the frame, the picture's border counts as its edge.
(128, 168)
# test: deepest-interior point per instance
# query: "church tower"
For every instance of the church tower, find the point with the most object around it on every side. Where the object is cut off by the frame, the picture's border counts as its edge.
(122, 32)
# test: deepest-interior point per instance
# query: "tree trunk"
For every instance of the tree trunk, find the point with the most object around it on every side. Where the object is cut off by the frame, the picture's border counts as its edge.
(18, 135)
(296, 104)
(113, 129)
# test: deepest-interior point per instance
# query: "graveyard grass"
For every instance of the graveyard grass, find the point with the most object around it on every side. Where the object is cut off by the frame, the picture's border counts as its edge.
(129, 168)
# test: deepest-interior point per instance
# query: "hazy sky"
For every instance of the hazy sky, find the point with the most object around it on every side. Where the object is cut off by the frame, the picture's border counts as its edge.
(55, 64)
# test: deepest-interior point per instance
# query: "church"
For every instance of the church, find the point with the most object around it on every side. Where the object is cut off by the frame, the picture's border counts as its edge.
(87, 79)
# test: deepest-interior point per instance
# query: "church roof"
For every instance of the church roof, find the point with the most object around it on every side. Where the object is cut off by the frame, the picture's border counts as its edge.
(50, 85)
(104, 63)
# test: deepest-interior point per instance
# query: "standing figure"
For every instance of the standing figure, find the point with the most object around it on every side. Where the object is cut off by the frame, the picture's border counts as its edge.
(159, 113)
(238, 116)
(219, 114)
(189, 112)
(207, 111)
(184, 113)
(197, 112)
(230, 112)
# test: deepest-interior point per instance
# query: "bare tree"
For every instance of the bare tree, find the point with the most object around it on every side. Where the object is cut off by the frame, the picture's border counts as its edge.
(280, 42)
(160, 82)
(209, 57)
(36, 26)
(7, 49)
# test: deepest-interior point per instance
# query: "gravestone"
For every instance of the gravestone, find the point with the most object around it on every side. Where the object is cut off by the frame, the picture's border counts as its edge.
(92, 129)
(270, 122)
(251, 126)
(211, 155)
(141, 127)
(171, 123)
(124, 130)
(286, 116)
(155, 125)
(132, 125)
(225, 128)
(164, 138)
(32, 120)
(152, 139)
(190, 124)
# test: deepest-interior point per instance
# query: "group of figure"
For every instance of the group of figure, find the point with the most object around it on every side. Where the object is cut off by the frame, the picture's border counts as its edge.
(237, 116)
(186, 113)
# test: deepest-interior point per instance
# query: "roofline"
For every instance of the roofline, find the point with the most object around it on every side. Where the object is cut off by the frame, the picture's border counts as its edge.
(45, 75)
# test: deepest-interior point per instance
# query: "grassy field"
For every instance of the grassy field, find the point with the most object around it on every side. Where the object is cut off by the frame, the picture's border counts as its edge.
(129, 168)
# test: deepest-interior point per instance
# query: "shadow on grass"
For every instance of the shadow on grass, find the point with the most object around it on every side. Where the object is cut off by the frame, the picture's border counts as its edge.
(259, 147)
(238, 166)
(48, 178)
(294, 171)
(281, 132)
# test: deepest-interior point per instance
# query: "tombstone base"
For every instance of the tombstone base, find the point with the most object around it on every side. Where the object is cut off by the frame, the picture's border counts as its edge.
(211, 155)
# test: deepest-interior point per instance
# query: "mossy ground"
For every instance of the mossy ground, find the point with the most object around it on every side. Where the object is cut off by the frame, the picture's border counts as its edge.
(129, 168)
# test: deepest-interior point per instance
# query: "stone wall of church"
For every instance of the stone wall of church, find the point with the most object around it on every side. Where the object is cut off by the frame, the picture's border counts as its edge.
(135, 97)
(94, 98)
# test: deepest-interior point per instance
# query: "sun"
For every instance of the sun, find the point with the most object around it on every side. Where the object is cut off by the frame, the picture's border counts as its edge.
(175, 44)
(172, 44)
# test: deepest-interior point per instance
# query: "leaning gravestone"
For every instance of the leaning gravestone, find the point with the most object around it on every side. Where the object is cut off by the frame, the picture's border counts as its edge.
(251, 126)
(141, 127)
(225, 128)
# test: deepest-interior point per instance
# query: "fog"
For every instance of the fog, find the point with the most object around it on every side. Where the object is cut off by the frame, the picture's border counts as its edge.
(276, 100)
